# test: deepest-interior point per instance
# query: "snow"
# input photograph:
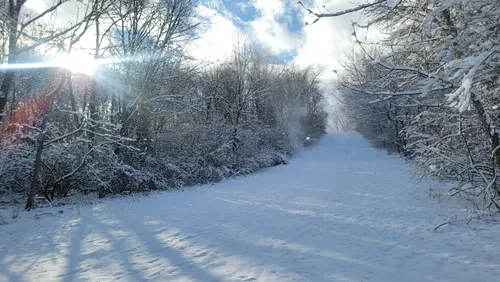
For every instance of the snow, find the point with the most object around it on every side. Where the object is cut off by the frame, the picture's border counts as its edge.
(341, 211)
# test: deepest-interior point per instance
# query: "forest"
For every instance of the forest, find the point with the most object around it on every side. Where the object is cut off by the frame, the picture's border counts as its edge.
(147, 116)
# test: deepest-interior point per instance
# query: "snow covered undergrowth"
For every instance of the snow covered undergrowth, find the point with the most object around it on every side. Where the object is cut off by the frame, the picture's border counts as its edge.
(342, 211)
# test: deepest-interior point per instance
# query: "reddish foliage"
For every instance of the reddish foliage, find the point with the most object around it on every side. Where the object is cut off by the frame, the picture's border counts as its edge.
(22, 119)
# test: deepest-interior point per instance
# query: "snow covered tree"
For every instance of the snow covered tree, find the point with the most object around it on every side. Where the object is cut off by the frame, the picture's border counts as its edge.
(434, 55)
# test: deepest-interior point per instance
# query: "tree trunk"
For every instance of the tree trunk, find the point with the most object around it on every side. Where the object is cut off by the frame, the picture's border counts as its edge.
(4, 90)
(144, 128)
(30, 203)
(492, 133)
(39, 150)
(14, 9)
(93, 108)
(72, 100)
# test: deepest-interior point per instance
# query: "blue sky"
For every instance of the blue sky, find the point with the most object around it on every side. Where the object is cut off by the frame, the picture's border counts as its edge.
(241, 9)
(270, 24)
(246, 11)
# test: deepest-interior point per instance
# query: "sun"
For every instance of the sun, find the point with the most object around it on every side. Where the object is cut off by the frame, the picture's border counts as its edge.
(77, 63)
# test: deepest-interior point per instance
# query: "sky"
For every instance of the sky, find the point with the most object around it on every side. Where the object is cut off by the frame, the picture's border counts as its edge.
(279, 26)
(276, 25)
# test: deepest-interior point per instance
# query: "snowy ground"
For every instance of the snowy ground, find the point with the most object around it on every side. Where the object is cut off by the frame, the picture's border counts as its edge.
(340, 212)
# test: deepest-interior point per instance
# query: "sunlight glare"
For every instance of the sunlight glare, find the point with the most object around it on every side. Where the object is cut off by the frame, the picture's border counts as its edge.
(77, 63)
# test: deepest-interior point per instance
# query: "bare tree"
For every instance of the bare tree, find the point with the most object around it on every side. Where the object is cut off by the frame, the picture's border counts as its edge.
(17, 30)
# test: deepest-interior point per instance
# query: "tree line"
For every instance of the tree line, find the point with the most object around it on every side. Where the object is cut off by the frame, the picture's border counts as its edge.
(150, 117)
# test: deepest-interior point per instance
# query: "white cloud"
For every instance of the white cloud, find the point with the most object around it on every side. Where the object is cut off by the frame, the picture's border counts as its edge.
(270, 29)
(217, 41)
(274, 35)
(35, 5)
(269, 8)
(325, 42)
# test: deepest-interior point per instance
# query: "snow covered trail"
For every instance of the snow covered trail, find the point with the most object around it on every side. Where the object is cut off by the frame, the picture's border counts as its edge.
(341, 211)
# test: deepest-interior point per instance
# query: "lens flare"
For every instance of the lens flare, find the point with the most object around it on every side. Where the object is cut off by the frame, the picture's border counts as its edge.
(30, 109)
(74, 63)
(22, 119)
(77, 63)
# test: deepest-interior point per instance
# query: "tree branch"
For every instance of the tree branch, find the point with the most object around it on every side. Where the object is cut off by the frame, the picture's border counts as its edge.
(348, 11)
(41, 15)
